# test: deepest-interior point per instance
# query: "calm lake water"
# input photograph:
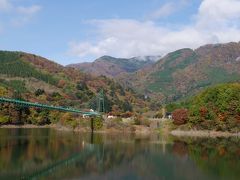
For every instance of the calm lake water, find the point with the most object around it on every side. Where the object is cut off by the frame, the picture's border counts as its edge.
(50, 154)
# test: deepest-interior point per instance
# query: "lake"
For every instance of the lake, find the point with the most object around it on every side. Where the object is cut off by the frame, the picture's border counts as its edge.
(52, 154)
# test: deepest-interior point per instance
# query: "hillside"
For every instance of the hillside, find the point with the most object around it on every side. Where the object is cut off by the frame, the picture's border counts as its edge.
(37, 79)
(113, 67)
(216, 108)
(184, 72)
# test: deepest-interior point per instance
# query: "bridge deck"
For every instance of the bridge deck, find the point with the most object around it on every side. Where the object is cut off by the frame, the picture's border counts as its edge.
(44, 106)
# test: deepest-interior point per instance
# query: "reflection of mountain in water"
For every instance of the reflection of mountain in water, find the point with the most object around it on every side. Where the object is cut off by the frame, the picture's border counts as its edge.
(36, 153)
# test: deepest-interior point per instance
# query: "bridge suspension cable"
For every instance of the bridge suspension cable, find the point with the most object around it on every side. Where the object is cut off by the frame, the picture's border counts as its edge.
(44, 106)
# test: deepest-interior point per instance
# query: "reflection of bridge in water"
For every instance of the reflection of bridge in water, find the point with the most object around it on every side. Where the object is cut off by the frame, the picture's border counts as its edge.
(88, 151)
(84, 157)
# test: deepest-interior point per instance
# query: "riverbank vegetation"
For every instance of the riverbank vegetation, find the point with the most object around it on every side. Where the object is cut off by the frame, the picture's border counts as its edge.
(216, 108)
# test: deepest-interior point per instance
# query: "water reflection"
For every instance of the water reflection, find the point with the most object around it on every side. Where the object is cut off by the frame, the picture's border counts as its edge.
(50, 154)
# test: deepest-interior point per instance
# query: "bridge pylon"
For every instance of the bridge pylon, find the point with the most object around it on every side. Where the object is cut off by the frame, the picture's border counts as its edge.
(101, 101)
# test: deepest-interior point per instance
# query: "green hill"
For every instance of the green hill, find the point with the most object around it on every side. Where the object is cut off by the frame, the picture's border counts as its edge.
(216, 108)
(12, 64)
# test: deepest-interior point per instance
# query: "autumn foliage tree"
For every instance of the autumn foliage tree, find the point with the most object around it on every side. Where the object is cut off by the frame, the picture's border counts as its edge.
(180, 116)
(61, 83)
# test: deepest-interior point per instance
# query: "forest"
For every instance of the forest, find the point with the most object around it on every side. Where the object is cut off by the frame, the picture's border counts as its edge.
(216, 108)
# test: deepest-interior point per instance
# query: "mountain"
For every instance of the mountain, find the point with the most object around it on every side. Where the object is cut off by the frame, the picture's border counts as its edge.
(184, 72)
(113, 67)
(38, 79)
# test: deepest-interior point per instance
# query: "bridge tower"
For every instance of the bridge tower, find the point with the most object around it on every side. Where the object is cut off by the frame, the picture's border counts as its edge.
(100, 101)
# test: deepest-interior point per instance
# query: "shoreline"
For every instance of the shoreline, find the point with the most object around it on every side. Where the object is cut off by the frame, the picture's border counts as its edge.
(138, 130)
(177, 133)
(203, 133)
(25, 126)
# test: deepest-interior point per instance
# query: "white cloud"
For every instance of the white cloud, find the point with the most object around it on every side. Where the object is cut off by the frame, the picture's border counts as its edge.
(17, 15)
(29, 10)
(5, 5)
(168, 9)
(215, 22)
(215, 13)
(165, 10)
(120, 37)
(25, 14)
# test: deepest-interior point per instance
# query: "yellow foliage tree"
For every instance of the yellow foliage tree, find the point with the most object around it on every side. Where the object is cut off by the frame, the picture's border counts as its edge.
(3, 91)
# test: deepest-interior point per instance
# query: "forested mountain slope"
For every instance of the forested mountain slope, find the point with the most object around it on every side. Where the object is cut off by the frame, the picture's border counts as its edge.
(113, 67)
(184, 72)
(37, 79)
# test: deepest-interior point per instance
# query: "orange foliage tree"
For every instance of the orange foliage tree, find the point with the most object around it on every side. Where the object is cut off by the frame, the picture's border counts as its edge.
(180, 116)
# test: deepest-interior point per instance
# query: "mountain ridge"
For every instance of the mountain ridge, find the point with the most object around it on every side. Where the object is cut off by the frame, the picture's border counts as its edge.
(186, 71)
(112, 67)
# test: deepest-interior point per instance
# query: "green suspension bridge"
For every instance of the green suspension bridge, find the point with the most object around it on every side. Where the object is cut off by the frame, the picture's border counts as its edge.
(49, 107)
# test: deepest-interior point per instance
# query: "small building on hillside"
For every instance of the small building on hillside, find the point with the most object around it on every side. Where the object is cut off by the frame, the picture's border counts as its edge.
(168, 115)
(111, 117)
(85, 116)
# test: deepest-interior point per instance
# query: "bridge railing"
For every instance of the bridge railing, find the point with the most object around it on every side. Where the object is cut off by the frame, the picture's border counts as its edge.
(44, 106)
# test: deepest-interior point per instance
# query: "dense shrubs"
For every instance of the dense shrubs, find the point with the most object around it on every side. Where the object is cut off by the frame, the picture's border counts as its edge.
(3, 91)
(220, 104)
(126, 106)
(139, 120)
(216, 108)
(82, 86)
(172, 106)
(159, 114)
(39, 92)
(127, 114)
(180, 116)
(97, 123)
(3, 119)
(16, 85)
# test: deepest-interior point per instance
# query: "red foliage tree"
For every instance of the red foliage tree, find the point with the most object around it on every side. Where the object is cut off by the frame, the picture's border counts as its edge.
(180, 116)
(127, 114)
(203, 112)
(61, 83)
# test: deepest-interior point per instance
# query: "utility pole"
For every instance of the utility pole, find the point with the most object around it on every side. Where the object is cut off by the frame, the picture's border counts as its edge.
(92, 128)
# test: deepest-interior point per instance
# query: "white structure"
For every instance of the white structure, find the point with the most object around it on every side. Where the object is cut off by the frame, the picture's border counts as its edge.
(111, 117)
(85, 116)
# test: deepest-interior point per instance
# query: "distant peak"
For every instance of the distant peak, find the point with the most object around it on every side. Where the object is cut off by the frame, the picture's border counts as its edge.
(106, 56)
(147, 58)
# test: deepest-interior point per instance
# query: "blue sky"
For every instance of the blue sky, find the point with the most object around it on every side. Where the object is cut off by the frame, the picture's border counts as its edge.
(82, 30)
